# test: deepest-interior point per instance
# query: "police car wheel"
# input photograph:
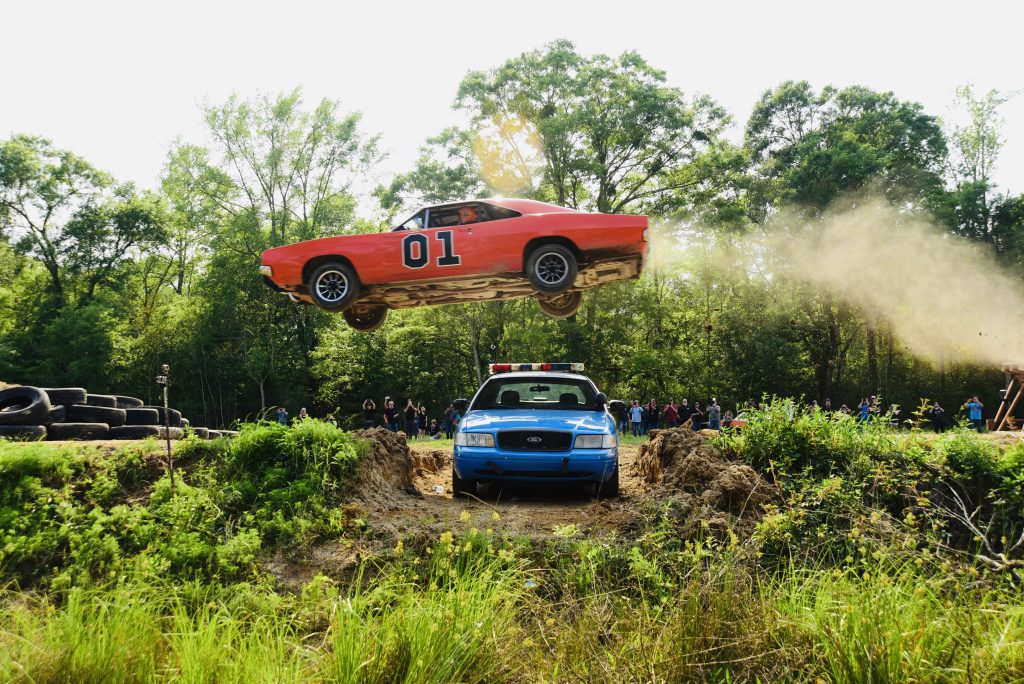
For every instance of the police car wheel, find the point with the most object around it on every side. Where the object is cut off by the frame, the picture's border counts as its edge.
(551, 268)
(561, 306)
(333, 286)
(609, 489)
(460, 486)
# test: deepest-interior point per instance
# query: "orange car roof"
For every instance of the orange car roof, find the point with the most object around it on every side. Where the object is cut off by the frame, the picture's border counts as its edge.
(523, 206)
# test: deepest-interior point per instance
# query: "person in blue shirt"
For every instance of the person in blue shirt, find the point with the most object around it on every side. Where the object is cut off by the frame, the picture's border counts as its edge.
(636, 415)
(282, 415)
(864, 410)
(974, 408)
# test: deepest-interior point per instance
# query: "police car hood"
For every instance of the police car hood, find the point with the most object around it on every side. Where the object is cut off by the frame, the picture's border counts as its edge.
(487, 420)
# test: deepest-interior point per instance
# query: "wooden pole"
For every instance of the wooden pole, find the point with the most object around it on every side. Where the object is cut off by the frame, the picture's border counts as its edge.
(1009, 411)
(1002, 404)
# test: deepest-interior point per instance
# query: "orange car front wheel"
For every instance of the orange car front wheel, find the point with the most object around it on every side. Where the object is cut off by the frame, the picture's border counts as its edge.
(333, 286)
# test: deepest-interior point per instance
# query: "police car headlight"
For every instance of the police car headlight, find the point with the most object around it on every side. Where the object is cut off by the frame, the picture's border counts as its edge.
(474, 439)
(595, 441)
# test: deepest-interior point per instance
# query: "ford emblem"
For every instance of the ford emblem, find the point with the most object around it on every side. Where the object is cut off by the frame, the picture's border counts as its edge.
(534, 440)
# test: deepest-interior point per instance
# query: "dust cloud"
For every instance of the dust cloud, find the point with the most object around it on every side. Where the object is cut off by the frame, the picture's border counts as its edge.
(946, 298)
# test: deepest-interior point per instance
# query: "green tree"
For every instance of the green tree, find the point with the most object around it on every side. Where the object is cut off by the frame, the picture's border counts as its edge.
(587, 131)
(810, 148)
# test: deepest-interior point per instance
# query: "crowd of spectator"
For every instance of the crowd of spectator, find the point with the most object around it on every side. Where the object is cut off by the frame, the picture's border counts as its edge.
(636, 419)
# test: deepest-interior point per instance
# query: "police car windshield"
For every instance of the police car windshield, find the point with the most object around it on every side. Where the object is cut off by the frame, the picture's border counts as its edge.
(536, 393)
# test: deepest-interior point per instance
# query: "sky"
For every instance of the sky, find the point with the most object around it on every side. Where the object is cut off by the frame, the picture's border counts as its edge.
(118, 81)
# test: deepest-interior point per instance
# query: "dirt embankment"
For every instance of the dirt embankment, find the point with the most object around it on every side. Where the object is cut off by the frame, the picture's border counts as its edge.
(708, 490)
(405, 488)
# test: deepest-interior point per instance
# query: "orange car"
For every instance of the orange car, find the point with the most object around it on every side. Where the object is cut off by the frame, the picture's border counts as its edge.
(469, 251)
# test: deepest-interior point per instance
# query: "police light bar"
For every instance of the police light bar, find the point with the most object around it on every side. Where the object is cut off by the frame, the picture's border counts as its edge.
(510, 367)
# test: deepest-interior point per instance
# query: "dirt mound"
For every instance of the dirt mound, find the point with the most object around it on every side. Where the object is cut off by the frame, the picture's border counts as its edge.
(386, 472)
(713, 492)
(430, 461)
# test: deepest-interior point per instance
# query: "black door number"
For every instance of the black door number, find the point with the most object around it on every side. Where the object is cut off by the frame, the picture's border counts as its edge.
(416, 250)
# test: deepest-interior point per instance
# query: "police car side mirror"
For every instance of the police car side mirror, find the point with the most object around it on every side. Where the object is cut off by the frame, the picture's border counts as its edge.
(460, 405)
(600, 400)
(617, 406)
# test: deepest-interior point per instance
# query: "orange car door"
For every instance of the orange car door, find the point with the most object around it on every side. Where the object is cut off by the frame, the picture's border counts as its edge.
(425, 254)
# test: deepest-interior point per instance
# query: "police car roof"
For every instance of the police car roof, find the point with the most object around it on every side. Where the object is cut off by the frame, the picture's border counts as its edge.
(533, 374)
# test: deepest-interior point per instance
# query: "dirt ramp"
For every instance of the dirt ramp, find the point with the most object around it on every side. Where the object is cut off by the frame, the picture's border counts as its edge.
(713, 492)
(386, 472)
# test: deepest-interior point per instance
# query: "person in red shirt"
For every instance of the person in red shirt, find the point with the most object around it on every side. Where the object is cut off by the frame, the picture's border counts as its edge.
(671, 414)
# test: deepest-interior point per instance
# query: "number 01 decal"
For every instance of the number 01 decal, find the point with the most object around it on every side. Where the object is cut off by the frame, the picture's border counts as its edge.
(416, 250)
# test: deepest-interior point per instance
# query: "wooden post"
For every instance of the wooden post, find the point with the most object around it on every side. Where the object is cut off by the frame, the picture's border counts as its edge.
(1002, 404)
(1009, 411)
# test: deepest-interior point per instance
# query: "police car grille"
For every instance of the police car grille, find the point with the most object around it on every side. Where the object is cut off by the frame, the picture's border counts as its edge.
(534, 440)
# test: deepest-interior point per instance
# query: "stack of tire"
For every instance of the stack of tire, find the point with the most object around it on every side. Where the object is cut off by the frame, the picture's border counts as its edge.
(72, 413)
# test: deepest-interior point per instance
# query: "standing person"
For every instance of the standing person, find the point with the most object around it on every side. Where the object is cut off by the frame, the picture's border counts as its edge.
(714, 415)
(936, 414)
(435, 429)
(411, 424)
(727, 419)
(697, 416)
(685, 411)
(302, 414)
(368, 408)
(636, 415)
(671, 415)
(450, 417)
(624, 420)
(653, 425)
(864, 410)
(390, 415)
(421, 421)
(282, 415)
(974, 408)
(894, 416)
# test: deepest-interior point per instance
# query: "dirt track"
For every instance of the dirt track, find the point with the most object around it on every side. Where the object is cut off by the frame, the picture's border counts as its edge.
(526, 510)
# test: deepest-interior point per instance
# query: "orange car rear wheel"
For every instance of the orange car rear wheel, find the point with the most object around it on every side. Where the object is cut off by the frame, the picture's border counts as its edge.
(333, 286)
(365, 318)
(561, 305)
(551, 268)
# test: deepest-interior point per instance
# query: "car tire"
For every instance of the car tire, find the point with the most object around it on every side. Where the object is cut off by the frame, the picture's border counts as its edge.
(200, 432)
(24, 406)
(62, 431)
(57, 415)
(366, 320)
(22, 432)
(113, 417)
(175, 432)
(175, 416)
(551, 268)
(460, 486)
(135, 432)
(104, 400)
(141, 416)
(213, 434)
(609, 489)
(128, 402)
(333, 286)
(66, 395)
(561, 306)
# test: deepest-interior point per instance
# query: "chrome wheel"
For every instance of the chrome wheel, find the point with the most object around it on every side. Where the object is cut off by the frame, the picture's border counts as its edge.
(552, 268)
(332, 286)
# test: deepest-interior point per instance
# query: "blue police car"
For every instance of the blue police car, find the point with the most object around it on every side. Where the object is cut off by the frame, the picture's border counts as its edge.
(540, 422)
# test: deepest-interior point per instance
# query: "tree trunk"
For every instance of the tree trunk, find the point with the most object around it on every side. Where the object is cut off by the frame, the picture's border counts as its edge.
(474, 338)
(872, 335)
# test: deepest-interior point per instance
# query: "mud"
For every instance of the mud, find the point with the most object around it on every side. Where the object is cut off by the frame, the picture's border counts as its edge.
(708, 491)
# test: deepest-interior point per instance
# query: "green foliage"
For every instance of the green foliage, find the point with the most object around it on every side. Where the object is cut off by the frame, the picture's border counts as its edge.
(68, 517)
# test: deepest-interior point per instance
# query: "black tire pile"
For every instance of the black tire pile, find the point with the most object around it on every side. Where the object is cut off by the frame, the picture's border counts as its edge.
(30, 413)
